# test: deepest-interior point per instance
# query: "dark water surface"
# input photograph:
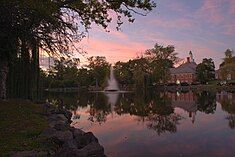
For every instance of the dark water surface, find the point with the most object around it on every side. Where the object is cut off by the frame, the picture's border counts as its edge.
(157, 124)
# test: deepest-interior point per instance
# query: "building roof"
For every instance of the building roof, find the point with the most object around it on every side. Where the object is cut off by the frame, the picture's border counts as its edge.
(189, 67)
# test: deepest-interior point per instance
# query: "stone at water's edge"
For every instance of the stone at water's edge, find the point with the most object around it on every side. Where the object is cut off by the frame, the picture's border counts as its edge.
(72, 142)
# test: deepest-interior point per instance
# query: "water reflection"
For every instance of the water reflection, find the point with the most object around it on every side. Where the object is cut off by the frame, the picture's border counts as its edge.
(206, 102)
(227, 101)
(153, 107)
(126, 121)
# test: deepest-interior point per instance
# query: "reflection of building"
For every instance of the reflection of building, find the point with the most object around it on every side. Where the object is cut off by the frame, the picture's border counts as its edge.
(226, 96)
(186, 72)
(185, 101)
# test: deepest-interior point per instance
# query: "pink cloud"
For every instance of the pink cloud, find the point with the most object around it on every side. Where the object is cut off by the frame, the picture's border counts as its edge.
(230, 29)
(113, 51)
(177, 6)
(210, 10)
(119, 35)
(231, 6)
(200, 49)
(181, 23)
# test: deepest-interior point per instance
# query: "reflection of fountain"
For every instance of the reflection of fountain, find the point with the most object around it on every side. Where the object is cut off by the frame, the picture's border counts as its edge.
(112, 82)
(112, 98)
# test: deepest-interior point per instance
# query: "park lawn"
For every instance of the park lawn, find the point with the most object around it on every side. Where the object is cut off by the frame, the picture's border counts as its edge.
(21, 122)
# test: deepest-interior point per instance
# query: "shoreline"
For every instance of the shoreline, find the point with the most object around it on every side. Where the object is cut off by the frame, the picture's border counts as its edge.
(69, 141)
(158, 88)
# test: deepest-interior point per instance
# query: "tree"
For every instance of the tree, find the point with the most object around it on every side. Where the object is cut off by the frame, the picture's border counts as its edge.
(161, 60)
(27, 25)
(85, 77)
(123, 73)
(134, 71)
(64, 73)
(228, 65)
(205, 71)
(152, 67)
(100, 69)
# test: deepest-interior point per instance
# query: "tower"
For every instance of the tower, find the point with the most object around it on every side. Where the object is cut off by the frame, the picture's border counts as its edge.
(191, 56)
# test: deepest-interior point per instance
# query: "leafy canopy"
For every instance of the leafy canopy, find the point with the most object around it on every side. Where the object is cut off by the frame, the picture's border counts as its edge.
(56, 24)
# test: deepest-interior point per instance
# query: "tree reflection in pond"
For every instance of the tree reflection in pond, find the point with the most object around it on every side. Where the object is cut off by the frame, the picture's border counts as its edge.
(163, 123)
(154, 109)
(227, 101)
(142, 122)
(99, 108)
(206, 102)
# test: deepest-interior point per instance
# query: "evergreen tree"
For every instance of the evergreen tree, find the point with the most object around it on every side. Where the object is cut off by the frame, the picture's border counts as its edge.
(205, 70)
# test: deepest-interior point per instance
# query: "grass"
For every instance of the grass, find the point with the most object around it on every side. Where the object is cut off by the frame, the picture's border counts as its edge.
(20, 124)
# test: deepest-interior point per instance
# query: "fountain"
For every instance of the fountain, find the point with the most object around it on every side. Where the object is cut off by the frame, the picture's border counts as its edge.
(112, 82)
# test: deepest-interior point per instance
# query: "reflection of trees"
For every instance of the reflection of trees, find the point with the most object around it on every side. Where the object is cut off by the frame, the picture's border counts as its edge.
(99, 108)
(98, 103)
(228, 106)
(144, 104)
(163, 123)
(67, 100)
(152, 108)
(231, 121)
(206, 102)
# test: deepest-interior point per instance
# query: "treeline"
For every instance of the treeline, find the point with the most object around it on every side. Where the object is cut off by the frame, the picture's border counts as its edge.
(149, 69)
(65, 73)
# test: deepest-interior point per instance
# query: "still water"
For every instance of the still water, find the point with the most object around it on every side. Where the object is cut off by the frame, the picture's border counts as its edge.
(169, 124)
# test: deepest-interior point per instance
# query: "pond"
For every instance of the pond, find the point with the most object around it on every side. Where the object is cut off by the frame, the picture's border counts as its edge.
(168, 124)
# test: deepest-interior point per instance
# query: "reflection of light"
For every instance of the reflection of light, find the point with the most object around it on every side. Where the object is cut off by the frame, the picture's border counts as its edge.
(178, 93)
(178, 82)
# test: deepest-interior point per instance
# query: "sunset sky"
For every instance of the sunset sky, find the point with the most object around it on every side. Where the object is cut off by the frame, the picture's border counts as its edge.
(207, 27)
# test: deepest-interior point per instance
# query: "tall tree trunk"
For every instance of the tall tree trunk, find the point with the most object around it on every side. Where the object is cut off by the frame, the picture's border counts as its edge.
(35, 70)
(3, 79)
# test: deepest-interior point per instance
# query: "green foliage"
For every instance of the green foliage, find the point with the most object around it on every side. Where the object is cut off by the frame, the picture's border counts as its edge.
(54, 25)
(65, 73)
(99, 69)
(206, 71)
(132, 72)
(228, 66)
(151, 68)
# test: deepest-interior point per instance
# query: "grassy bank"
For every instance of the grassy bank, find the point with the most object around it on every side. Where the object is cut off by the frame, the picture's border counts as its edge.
(21, 122)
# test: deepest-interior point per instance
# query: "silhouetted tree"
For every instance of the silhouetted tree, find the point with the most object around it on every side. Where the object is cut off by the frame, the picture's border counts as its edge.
(99, 68)
(205, 70)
